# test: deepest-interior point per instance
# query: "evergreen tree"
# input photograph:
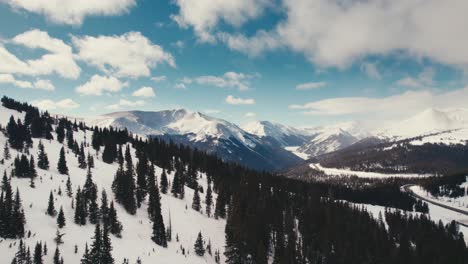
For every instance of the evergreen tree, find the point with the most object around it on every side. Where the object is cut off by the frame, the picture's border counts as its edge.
(208, 200)
(42, 159)
(60, 130)
(51, 208)
(86, 259)
(101, 248)
(196, 201)
(82, 158)
(106, 250)
(69, 187)
(32, 168)
(18, 218)
(61, 218)
(62, 163)
(104, 208)
(90, 195)
(199, 245)
(124, 184)
(56, 259)
(6, 151)
(220, 208)
(164, 183)
(37, 257)
(80, 208)
(90, 161)
(141, 172)
(115, 227)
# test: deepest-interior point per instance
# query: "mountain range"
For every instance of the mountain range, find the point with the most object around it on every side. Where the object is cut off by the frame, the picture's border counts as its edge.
(265, 145)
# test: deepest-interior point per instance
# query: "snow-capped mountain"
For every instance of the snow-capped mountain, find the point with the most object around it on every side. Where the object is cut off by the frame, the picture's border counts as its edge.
(285, 135)
(431, 125)
(325, 139)
(214, 135)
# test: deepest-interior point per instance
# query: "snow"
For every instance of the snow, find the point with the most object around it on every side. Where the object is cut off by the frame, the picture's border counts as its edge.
(137, 229)
(198, 126)
(363, 174)
(460, 202)
(295, 150)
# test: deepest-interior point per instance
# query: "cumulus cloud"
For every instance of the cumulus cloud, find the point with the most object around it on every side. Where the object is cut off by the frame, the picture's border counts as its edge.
(395, 106)
(125, 103)
(144, 92)
(180, 86)
(250, 114)
(58, 59)
(337, 33)
(98, 85)
(239, 101)
(48, 104)
(204, 15)
(72, 12)
(159, 78)
(227, 80)
(310, 85)
(129, 55)
(38, 84)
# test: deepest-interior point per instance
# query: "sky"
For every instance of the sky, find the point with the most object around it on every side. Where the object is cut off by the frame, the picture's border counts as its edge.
(297, 62)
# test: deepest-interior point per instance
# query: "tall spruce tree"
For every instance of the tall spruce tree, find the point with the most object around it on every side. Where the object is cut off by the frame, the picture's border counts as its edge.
(61, 218)
(141, 172)
(51, 208)
(42, 159)
(164, 183)
(69, 187)
(154, 211)
(115, 227)
(37, 257)
(196, 201)
(57, 258)
(124, 184)
(6, 151)
(199, 246)
(208, 200)
(62, 163)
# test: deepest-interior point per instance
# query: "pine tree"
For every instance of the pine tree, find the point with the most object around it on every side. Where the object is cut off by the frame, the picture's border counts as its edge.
(6, 151)
(208, 247)
(96, 246)
(62, 163)
(86, 259)
(37, 258)
(57, 256)
(115, 227)
(199, 245)
(51, 208)
(90, 161)
(80, 208)
(42, 159)
(106, 250)
(82, 158)
(61, 219)
(175, 189)
(196, 201)
(90, 195)
(208, 200)
(164, 183)
(141, 172)
(60, 130)
(69, 187)
(104, 210)
(18, 218)
(32, 168)
(124, 184)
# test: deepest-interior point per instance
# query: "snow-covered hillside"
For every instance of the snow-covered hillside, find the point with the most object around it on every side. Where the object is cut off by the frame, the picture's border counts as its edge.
(285, 135)
(137, 229)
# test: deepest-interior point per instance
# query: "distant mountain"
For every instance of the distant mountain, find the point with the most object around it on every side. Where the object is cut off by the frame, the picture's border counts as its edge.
(284, 135)
(213, 135)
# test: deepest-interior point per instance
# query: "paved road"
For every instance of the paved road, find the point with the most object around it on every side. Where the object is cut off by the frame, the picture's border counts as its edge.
(407, 188)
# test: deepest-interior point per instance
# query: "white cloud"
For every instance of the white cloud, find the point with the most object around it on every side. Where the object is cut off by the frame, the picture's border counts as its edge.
(125, 103)
(337, 33)
(424, 79)
(250, 114)
(159, 78)
(395, 106)
(98, 85)
(59, 58)
(227, 80)
(180, 86)
(38, 84)
(72, 12)
(10, 79)
(204, 15)
(48, 104)
(130, 54)
(144, 92)
(239, 101)
(310, 85)
(371, 70)
(44, 85)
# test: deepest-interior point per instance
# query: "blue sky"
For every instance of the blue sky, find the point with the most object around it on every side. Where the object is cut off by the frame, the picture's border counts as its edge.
(298, 62)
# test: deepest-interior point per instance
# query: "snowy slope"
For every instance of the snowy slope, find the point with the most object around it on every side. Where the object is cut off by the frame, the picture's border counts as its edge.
(429, 121)
(137, 229)
(285, 135)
